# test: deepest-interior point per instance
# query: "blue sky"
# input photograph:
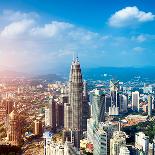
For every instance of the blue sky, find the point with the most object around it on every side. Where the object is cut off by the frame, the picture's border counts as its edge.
(41, 36)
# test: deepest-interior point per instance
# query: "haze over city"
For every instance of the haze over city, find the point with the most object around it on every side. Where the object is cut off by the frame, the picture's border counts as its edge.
(41, 37)
(77, 77)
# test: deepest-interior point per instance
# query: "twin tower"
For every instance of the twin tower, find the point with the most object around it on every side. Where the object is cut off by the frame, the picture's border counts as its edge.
(74, 109)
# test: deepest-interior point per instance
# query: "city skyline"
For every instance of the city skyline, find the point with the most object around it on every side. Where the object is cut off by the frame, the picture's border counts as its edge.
(37, 37)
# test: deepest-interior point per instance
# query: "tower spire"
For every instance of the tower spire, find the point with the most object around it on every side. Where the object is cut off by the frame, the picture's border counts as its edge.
(73, 56)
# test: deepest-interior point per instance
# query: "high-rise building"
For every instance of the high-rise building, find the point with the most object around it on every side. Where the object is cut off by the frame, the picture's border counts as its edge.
(47, 118)
(118, 140)
(109, 128)
(123, 103)
(100, 142)
(124, 151)
(37, 129)
(135, 100)
(147, 89)
(59, 114)
(90, 130)
(114, 85)
(85, 108)
(108, 100)
(150, 105)
(14, 129)
(75, 104)
(98, 106)
(52, 113)
(67, 116)
(9, 106)
(61, 149)
(142, 142)
(115, 100)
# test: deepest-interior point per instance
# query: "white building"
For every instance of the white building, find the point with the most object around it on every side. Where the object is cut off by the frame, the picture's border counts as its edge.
(61, 149)
(147, 89)
(100, 142)
(117, 141)
(47, 118)
(142, 142)
(113, 111)
(135, 100)
(124, 151)
(90, 130)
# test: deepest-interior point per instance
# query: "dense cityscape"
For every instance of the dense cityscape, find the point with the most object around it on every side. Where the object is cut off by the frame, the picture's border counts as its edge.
(75, 117)
(77, 77)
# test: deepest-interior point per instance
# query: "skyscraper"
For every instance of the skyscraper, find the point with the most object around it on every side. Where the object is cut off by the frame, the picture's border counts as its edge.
(50, 114)
(100, 142)
(115, 102)
(135, 100)
(118, 140)
(142, 142)
(85, 108)
(14, 129)
(123, 103)
(37, 127)
(149, 105)
(98, 106)
(74, 107)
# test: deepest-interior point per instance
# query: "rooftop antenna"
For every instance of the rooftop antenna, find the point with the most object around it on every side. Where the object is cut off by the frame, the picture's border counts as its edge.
(77, 57)
(73, 56)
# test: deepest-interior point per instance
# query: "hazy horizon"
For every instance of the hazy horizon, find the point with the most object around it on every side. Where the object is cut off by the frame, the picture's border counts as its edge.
(43, 38)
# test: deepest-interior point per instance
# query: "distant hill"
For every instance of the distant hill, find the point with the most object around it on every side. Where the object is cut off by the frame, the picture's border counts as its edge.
(8, 74)
(12, 74)
(121, 73)
(100, 73)
(49, 77)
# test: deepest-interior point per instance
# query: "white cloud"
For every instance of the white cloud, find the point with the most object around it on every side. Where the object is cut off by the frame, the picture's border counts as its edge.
(17, 28)
(17, 15)
(28, 42)
(140, 38)
(130, 16)
(138, 49)
(51, 29)
(25, 42)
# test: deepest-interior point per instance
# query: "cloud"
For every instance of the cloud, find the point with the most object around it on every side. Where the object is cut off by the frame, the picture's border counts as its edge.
(130, 16)
(141, 38)
(17, 28)
(138, 49)
(29, 43)
(51, 29)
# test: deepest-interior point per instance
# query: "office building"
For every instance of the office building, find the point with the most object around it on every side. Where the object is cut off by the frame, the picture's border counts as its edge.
(85, 108)
(73, 118)
(123, 99)
(142, 142)
(100, 142)
(135, 101)
(37, 129)
(14, 129)
(47, 117)
(150, 100)
(98, 106)
(52, 113)
(124, 151)
(116, 142)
